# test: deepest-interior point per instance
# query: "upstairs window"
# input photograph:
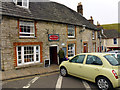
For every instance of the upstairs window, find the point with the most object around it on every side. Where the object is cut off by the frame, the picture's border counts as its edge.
(93, 35)
(115, 40)
(19, 2)
(26, 29)
(22, 3)
(71, 31)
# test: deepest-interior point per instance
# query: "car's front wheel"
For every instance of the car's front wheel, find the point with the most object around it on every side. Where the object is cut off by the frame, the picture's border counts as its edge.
(63, 71)
(103, 83)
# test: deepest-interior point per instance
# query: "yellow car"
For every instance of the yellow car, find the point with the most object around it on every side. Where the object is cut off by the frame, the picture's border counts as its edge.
(100, 68)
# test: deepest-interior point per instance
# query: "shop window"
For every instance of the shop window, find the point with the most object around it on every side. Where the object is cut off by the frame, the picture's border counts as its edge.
(26, 29)
(71, 31)
(22, 3)
(115, 40)
(28, 54)
(71, 50)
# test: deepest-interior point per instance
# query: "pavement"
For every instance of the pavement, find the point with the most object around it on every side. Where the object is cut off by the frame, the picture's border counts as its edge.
(25, 72)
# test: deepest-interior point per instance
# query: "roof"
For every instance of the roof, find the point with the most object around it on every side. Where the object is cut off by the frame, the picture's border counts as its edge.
(111, 34)
(47, 11)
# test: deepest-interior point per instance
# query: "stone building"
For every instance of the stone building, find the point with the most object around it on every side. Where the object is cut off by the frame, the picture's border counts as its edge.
(32, 32)
(110, 40)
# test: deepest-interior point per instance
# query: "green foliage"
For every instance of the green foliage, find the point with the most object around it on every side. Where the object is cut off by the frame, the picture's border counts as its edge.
(115, 26)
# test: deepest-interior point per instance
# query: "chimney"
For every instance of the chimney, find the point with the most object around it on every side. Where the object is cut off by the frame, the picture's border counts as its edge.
(98, 24)
(80, 8)
(91, 20)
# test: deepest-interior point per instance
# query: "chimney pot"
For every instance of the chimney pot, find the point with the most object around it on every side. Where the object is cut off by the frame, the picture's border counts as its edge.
(91, 20)
(80, 8)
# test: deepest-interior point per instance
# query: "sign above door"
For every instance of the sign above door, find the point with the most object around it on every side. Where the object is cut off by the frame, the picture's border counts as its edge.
(53, 37)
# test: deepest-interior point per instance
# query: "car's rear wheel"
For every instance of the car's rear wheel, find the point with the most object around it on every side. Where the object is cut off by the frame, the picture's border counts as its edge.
(103, 83)
(63, 71)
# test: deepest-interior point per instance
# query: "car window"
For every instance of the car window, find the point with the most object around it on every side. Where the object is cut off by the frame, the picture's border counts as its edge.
(78, 59)
(113, 55)
(112, 60)
(118, 58)
(94, 60)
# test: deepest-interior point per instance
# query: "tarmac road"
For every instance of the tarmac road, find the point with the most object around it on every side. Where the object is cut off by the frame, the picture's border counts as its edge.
(47, 81)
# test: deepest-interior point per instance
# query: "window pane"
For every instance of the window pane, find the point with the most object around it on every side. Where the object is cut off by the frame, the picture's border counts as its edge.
(19, 61)
(28, 55)
(19, 2)
(71, 50)
(93, 35)
(115, 41)
(93, 60)
(19, 48)
(71, 30)
(25, 3)
(112, 60)
(78, 59)
(27, 28)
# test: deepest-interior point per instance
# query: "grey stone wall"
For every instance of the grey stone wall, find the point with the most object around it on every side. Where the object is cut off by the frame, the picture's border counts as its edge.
(9, 35)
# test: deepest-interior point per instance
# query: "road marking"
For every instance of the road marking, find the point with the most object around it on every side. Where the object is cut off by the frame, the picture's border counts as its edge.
(30, 77)
(59, 82)
(86, 85)
(32, 81)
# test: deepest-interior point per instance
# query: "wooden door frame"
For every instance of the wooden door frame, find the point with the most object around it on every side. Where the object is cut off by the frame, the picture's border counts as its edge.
(57, 51)
(87, 46)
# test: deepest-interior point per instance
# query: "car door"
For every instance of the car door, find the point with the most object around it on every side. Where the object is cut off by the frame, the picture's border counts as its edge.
(76, 64)
(92, 67)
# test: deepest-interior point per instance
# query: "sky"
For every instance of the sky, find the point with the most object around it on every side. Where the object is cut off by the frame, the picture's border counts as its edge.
(103, 11)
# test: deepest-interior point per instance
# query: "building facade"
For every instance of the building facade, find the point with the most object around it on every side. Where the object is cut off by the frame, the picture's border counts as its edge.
(34, 32)
(110, 40)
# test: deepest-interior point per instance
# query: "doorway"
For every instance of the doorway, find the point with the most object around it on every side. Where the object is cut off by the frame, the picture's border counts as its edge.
(85, 47)
(53, 55)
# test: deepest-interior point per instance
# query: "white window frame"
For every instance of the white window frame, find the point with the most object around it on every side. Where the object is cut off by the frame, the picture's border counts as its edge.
(71, 27)
(15, 1)
(27, 23)
(94, 47)
(73, 50)
(93, 35)
(22, 55)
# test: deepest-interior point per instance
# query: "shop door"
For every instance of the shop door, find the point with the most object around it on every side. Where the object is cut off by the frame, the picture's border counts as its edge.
(53, 55)
(85, 47)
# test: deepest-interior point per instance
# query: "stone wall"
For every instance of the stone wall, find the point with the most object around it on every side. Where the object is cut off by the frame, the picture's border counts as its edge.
(10, 35)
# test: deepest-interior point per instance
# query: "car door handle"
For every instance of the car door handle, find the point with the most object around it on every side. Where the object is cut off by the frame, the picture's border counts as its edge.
(96, 69)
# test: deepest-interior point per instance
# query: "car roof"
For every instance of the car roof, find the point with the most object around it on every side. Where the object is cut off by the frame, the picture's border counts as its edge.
(115, 51)
(97, 54)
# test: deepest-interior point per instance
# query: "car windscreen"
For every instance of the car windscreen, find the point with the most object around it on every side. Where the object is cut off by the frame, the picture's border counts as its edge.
(112, 60)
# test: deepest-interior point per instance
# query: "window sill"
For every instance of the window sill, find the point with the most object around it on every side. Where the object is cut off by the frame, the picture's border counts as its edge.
(71, 37)
(29, 65)
(27, 37)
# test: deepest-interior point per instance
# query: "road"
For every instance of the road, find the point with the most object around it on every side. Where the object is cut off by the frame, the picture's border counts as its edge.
(53, 80)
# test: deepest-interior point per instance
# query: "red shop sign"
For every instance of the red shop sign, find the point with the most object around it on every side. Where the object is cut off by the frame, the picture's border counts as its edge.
(53, 37)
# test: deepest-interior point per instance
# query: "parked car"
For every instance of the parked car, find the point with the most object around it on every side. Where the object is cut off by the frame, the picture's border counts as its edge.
(114, 51)
(99, 68)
